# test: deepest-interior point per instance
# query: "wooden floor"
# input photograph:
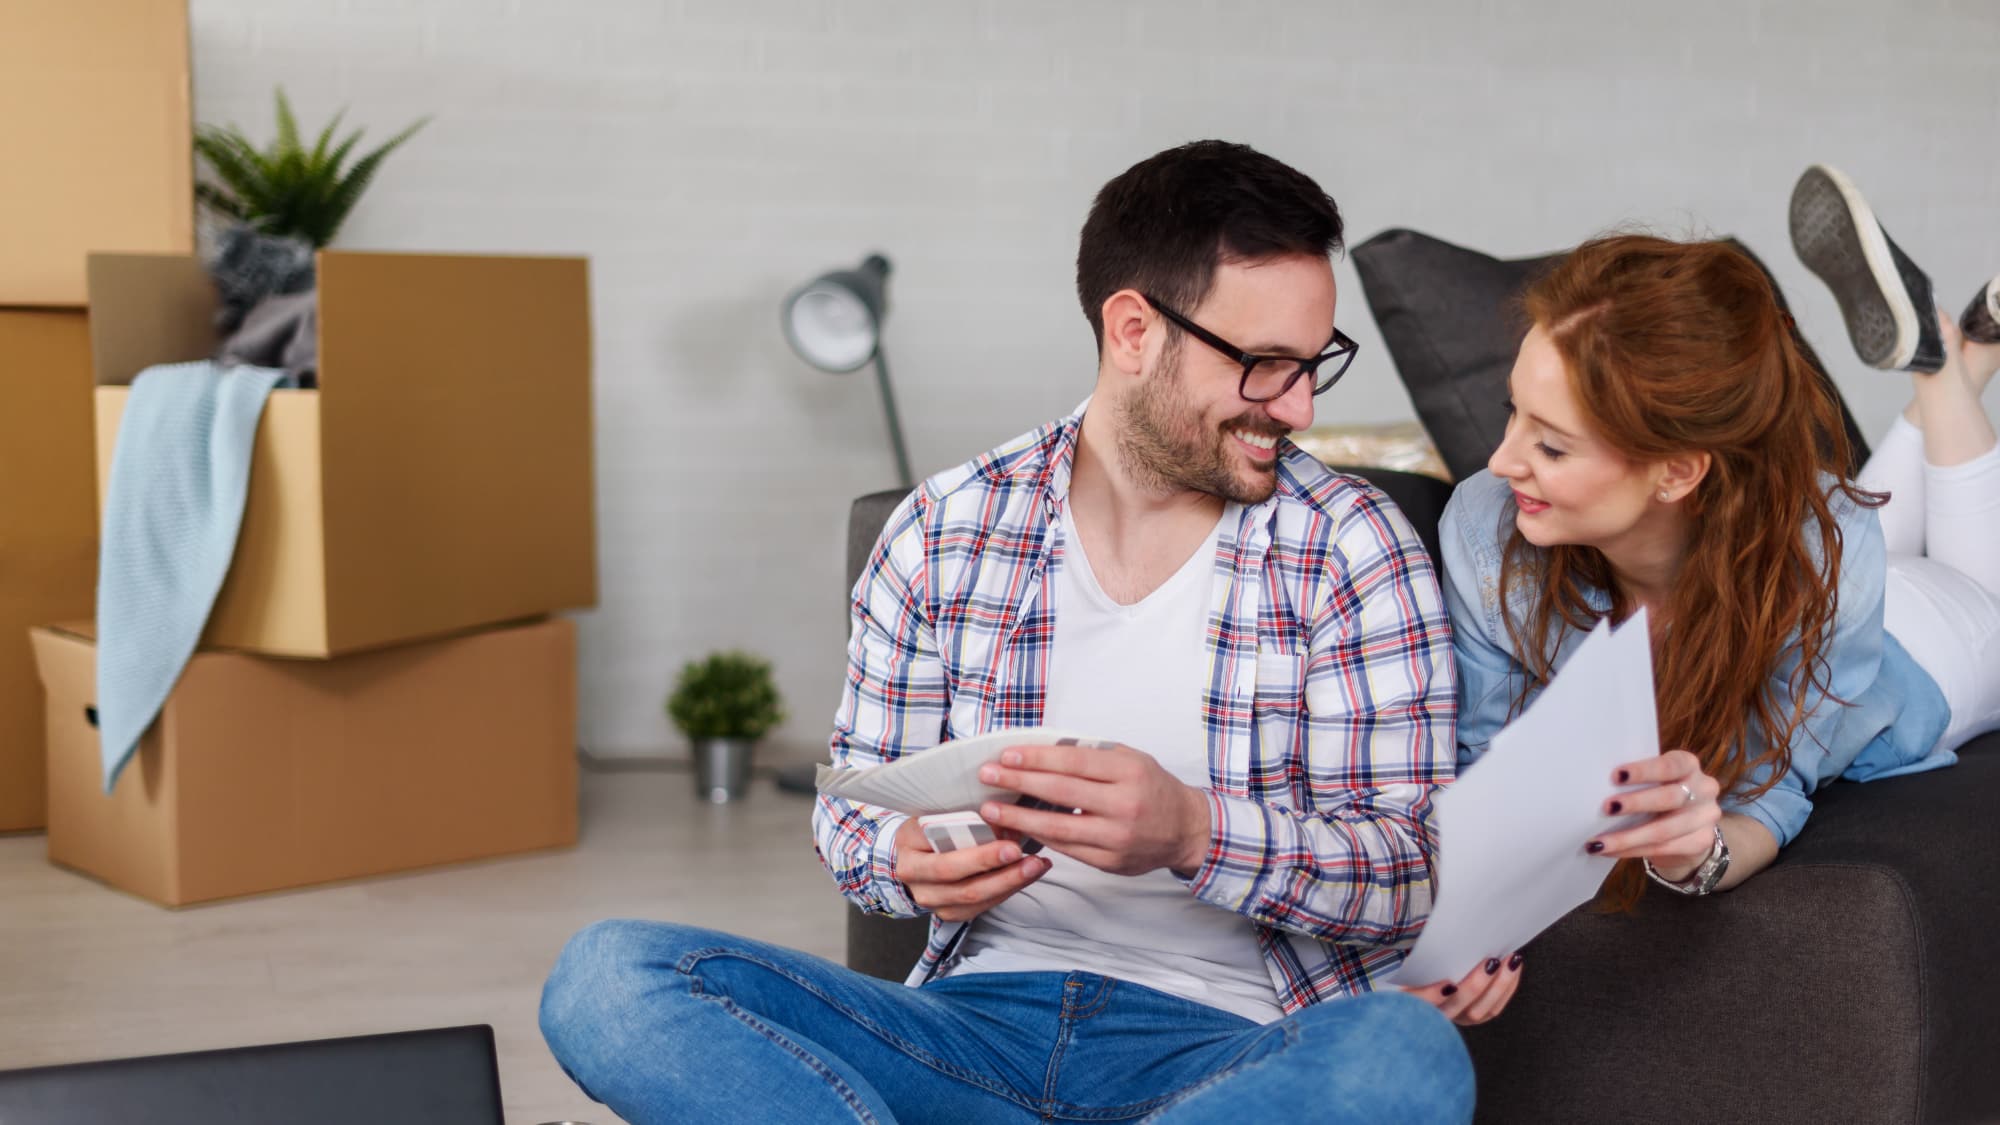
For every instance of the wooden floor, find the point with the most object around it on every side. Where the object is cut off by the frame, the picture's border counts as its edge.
(87, 972)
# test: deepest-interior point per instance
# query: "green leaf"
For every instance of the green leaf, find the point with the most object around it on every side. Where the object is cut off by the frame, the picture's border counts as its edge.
(348, 192)
(286, 188)
(220, 200)
(325, 135)
(339, 156)
(232, 161)
(288, 127)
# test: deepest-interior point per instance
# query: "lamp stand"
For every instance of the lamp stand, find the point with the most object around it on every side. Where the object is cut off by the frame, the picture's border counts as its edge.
(895, 420)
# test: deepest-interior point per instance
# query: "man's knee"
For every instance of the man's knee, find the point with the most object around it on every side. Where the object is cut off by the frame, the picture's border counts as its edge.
(600, 971)
(1418, 1025)
(1427, 1048)
(1414, 1059)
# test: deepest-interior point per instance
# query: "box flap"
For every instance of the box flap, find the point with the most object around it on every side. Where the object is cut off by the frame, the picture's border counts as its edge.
(82, 629)
(148, 309)
(58, 676)
(456, 429)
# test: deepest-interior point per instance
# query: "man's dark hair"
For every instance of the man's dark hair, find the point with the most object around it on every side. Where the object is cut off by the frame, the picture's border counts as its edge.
(1164, 224)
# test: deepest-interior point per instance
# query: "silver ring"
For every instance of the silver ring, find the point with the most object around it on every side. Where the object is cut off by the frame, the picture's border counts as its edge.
(1685, 788)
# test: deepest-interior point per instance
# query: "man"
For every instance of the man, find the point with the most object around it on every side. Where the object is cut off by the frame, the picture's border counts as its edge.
(1265, 642)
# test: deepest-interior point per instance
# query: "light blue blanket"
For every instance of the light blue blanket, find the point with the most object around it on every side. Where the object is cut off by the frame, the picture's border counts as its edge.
(179, 476)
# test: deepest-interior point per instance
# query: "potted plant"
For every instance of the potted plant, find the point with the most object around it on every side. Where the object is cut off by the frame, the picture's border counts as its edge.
(724, 704)
(279, 203)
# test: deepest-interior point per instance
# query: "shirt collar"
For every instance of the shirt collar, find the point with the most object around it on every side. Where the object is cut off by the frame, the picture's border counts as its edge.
(1061, 459)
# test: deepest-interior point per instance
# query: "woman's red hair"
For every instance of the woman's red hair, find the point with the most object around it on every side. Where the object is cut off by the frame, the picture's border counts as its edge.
(1677, 347)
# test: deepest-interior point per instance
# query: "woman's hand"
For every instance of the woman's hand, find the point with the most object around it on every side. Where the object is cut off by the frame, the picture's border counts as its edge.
(1479, 996)
(1681, 798)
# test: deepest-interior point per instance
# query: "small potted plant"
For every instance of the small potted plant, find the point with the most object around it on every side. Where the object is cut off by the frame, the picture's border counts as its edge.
(724, 704)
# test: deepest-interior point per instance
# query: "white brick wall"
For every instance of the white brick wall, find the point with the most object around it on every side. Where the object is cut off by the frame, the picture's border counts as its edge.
(709, 154)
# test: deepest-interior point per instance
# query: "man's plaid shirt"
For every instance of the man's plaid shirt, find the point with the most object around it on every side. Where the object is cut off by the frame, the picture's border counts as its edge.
(1330, 703)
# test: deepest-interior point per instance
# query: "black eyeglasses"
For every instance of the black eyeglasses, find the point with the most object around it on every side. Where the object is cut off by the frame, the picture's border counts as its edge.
(1267, 377)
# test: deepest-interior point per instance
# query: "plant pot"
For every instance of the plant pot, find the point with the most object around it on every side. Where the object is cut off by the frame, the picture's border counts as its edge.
(722, 768)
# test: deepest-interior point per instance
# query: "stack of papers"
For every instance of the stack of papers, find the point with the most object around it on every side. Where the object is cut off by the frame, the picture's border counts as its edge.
(942, 779)
(1513, 828)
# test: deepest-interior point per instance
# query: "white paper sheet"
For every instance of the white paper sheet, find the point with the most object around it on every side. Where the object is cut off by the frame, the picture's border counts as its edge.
(1512, 829)
(944, 778)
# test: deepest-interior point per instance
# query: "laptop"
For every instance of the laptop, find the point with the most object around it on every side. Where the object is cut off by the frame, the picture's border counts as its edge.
(444, 1076)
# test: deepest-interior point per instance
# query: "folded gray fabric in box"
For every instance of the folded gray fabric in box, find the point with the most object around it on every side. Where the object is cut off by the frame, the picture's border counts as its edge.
(281, 331)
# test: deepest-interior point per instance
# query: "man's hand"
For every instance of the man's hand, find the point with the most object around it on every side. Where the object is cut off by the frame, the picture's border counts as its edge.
(1480, 996)
(963, 884)
(1135, 816)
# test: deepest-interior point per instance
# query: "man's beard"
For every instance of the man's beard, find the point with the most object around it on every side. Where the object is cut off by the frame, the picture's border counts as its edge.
(1165, 446)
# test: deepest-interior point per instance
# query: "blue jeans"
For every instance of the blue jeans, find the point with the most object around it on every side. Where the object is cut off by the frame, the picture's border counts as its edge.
(669, 1023)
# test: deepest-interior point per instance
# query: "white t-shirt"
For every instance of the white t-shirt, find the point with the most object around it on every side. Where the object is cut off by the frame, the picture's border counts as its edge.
(1134, 674)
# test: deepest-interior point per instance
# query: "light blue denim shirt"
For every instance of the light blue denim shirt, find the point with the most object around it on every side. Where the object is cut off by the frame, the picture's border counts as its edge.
(1891, 724)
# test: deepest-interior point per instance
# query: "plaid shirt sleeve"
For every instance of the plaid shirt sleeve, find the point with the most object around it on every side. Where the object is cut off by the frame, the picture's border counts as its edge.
(894, 702)
(1380, 701)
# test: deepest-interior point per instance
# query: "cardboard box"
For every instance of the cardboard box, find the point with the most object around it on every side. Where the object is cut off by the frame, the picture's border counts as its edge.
(440, 479)
(96, 134)
(262, 773)
(48, 529)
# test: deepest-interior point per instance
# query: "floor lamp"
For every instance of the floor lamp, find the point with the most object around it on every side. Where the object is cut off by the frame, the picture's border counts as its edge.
(834, 322)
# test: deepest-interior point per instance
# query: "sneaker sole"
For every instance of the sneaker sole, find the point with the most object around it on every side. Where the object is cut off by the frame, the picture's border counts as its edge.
(1981, 322)
(1837, 237)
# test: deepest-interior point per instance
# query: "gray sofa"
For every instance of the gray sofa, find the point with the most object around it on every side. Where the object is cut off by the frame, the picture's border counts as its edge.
(1848, 983)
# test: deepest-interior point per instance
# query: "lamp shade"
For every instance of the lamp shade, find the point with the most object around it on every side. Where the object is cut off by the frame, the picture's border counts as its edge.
(834, 321)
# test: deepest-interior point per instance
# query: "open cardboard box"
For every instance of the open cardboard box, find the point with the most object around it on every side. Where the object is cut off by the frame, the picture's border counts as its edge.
(262, 774)
(96, 147)
(48, 533)
(440, 479)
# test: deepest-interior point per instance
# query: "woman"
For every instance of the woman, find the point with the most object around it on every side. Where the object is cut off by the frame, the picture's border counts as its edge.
(1671, 447)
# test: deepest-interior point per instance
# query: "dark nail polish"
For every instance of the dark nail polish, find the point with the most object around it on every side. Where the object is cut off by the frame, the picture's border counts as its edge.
(1624, 776)
(1594, 847)
(1450, 990)
(1492, 965)
(1514, 962)
(1617, 807)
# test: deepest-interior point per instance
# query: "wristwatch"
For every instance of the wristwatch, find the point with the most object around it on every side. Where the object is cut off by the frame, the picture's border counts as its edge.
(1705, 877)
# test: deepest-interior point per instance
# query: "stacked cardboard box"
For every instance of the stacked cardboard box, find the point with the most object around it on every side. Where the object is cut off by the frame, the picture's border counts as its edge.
(94, 123)
(379, 686)
(48, 535)
(439, 479)
(263, 774)
(95, 131)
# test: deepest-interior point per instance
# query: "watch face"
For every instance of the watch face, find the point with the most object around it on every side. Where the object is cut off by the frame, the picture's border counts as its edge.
(1717, 865)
